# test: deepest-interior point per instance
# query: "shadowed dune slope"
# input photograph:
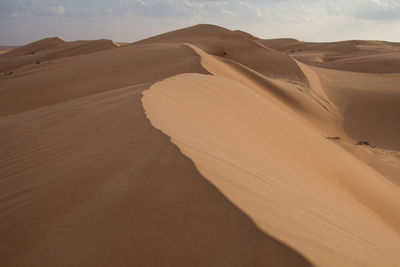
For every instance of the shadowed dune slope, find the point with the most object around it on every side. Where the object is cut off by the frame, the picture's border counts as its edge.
(85, 180)
(237, 46)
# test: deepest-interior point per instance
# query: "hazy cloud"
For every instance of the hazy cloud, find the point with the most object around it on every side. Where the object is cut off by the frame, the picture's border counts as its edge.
(361, 9)
(302, 18)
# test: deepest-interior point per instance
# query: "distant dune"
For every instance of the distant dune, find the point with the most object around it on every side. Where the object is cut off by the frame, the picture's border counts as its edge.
(236, 46)
(200, 147)
(356, 55)
(50, 49)
(6, 49)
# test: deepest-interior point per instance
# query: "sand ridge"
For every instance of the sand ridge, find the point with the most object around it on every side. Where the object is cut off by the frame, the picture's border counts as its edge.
(245, 144)
(236, 46)
(200, 147)
(317, 196)
(85, 179)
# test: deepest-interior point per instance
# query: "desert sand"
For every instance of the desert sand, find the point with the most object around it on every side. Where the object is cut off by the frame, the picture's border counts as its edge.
(200, 147)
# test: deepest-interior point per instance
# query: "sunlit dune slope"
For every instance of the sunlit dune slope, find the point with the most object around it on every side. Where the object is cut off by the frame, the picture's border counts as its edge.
(258, 140)
(293, 182)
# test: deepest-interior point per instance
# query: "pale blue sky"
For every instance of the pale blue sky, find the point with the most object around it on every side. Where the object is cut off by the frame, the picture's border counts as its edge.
(23, 21)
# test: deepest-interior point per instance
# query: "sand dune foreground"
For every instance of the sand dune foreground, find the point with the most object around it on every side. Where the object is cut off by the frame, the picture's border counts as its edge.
(200, 147)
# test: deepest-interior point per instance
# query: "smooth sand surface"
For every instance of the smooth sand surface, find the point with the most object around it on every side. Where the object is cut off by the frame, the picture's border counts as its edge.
(291, 180)
(200, 147)
(252, 139)
(87, 181)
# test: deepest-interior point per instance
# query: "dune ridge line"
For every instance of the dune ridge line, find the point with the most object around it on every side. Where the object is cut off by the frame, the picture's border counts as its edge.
(327, 205)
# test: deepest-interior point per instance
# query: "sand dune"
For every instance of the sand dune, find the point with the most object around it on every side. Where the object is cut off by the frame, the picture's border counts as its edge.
(49, 49)
(280, 173)
(308, 101)
(35, 47)
(166, 212)
(200, 147)
(89, 182)
(7, 48)
(355, 56)
(236, 46)
(369, 104)
(73, 77)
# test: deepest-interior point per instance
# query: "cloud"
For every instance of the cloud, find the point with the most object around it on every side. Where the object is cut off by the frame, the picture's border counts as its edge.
(379, 10)
(303, 19)
(18, 8)
(360, 9)
(53, 10)
(227, 12)
(373, 10)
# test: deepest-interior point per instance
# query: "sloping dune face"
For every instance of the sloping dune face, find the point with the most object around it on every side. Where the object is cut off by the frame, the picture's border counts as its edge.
(294, 183)
(369, 103)
(259, 142)
(85, 180)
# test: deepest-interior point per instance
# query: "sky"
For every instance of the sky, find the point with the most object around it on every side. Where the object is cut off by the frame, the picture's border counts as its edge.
(24, 21)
